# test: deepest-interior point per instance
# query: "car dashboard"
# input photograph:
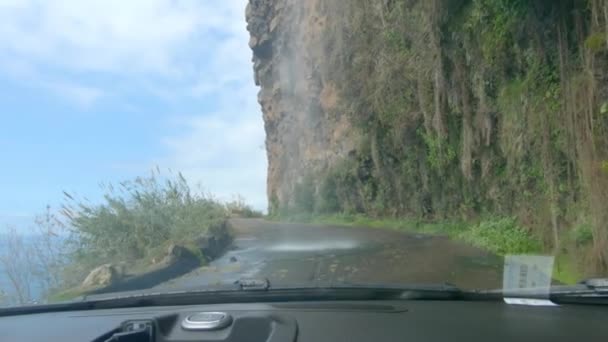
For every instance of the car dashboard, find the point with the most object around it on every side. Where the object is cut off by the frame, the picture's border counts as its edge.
(391, 320)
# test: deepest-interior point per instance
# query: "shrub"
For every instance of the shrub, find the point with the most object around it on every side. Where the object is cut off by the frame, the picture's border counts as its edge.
(137, 217)
(32, 259)
(596, 42)
(582, 234)
(605, 166)
(501, 236)
(239, 208)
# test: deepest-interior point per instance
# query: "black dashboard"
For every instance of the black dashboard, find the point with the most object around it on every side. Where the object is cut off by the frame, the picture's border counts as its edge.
(327, 321)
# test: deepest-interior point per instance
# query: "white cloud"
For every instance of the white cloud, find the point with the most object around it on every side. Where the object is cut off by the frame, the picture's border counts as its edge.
(224, 151)
(134, 40)
(81, 95)
(106, 35)
(169, 49)
(72, 91)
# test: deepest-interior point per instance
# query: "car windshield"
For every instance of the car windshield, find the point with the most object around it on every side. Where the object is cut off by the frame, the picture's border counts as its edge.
(182, 145)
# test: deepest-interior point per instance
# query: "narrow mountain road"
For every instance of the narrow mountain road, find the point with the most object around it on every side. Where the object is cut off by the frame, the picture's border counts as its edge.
(299, 254)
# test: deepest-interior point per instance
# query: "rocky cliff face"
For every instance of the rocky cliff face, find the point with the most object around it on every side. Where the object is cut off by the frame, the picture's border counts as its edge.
(303, 132)
(438, 109)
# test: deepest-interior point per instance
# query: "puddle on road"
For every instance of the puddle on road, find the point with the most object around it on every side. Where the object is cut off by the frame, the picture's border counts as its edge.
(313, 246)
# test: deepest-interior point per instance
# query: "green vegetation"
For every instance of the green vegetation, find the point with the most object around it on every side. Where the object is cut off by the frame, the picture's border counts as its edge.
(596, 42)
(138, 220)
(138, 217)
(466, 109)
(502, 236)
(131, 229)
(239, 208)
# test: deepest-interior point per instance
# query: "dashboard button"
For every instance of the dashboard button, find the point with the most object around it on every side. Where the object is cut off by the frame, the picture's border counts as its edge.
(207, 321)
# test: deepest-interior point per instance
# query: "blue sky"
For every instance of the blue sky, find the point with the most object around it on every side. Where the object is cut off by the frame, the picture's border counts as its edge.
(99, 91)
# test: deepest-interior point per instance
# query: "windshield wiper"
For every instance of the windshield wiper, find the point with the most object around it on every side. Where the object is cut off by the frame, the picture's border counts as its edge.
(589, 291)
(598, 285)
(592, 291)
(248, 291)
(253, 284)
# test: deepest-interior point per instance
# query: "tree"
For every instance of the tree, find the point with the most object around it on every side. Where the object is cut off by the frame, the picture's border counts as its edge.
(17, 265)
(32, 262)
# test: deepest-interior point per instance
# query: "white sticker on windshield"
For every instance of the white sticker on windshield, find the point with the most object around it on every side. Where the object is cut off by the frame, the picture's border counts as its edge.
(527, 276)
(530, 302)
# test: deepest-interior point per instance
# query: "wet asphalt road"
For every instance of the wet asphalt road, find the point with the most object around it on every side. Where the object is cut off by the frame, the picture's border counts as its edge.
(296, 254)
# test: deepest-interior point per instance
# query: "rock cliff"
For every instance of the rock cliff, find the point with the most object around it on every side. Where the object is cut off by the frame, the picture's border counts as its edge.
(438, 109)
(304, 131)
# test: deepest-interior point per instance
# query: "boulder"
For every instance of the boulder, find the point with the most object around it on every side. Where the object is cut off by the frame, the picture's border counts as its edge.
(215, 241)
(104, 275)
(176, 253)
